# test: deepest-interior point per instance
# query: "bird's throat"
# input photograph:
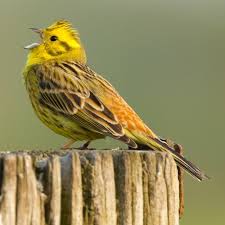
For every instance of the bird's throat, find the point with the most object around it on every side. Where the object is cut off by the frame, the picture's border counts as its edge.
(37, 56)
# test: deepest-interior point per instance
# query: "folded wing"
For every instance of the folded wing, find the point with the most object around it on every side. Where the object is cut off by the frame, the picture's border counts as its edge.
(63, 91)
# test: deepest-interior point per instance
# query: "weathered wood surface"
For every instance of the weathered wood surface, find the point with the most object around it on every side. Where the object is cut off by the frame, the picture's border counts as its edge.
(88, 188)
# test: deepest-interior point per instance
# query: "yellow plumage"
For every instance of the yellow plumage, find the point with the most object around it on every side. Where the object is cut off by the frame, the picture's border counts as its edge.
(74, 101)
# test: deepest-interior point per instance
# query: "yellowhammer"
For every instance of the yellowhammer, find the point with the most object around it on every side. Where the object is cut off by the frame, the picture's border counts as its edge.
(74, 101)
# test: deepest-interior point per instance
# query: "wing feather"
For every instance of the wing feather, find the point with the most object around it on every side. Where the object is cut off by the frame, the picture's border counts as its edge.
(66, 93)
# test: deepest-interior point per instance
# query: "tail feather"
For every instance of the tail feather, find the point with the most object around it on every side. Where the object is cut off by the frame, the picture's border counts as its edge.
(188, 166)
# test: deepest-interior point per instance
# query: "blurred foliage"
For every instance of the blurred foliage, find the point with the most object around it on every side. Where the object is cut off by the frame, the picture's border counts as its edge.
(167, 58)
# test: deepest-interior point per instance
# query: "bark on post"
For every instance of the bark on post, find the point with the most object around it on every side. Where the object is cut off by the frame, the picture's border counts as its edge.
(88, 188)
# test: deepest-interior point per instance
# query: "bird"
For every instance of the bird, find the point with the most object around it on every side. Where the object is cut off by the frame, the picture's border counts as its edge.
(76, 102)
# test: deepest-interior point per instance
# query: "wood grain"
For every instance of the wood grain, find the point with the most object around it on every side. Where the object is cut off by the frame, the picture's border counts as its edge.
(88, 188)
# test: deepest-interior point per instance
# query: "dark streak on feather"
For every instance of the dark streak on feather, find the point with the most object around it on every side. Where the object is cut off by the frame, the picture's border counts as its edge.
(77, 99)
(61, 67)
(109, 114)
(65, 45)
(70, 68)
(48, 85)
(116, 127)
(77, 65)
(67, 101)
(95, 99)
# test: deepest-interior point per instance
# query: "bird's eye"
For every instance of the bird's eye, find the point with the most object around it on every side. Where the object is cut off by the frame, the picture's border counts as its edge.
(53, 38)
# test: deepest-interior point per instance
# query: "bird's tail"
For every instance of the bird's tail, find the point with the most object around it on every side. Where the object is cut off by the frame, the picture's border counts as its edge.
(188, 166)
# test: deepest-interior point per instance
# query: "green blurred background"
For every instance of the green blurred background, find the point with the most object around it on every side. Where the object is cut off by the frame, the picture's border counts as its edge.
(170, 54)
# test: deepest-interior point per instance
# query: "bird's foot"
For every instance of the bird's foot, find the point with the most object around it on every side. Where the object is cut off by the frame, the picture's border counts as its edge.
(67, 145)
(85, 146)
(140, 148)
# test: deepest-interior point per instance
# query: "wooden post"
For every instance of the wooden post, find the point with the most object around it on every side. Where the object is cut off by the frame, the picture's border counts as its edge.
(88, 187)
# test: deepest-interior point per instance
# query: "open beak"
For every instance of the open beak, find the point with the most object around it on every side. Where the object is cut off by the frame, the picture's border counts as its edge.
(31, 46)
(36, 30)
(34, 45)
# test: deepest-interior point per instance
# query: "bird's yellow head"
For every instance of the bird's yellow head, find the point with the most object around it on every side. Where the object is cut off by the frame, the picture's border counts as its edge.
(58, 42)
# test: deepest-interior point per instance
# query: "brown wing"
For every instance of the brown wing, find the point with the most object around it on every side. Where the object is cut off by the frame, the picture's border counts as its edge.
(63, 90)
